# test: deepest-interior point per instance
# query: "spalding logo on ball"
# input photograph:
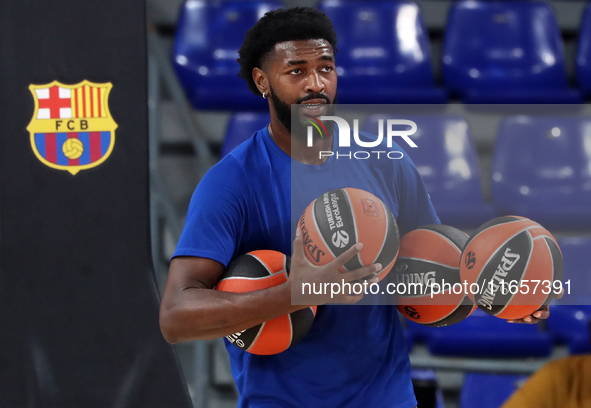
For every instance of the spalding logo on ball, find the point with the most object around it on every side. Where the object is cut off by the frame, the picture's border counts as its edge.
(470, 260)
(512, 261)
(261, 270)
(341, 218)
(431, 255)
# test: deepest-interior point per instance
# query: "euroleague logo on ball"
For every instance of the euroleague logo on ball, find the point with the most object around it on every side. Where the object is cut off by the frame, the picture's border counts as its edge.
(470, 260)
(340, 239)
(402, 267)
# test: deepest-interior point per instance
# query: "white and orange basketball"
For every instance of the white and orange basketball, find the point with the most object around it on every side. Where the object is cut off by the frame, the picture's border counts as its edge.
(513, 261)
(339, 219)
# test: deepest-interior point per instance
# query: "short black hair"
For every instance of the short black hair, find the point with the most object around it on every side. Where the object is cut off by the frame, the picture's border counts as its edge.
(297, 23)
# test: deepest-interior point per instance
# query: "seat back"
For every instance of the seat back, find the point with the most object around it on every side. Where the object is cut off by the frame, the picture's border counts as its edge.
(208, 37)
(542, 162)
(503, 44)
(446, 157)
(241, 126)
(577, 270)
(378, 39)
(486, 336)
(488, 390)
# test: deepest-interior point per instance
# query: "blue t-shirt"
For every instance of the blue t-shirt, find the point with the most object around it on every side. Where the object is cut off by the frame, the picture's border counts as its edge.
(354, 355)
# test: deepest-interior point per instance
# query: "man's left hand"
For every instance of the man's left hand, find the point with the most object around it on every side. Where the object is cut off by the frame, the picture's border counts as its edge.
(541, 313)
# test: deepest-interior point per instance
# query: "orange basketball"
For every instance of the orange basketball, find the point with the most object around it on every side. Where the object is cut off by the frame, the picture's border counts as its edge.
(261, 270)
(339, 219)
(431, 254)
(510, 262)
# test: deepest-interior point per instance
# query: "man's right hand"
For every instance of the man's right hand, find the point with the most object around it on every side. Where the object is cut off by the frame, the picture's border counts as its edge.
(192, 310)
(323, 278)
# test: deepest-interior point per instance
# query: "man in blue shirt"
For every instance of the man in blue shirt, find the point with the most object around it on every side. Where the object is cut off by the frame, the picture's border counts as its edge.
(353, 356)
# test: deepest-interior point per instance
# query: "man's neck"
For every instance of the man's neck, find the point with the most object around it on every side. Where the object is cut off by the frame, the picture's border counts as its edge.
(298, 149)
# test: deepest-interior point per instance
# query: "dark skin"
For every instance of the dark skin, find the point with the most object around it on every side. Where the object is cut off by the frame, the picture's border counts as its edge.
(294, 70)
(190, 308)
(541, 313)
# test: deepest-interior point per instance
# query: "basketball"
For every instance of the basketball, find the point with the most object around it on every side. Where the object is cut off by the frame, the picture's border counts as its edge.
(515, 264)
(260, 270)
(341, 218)
(431, 254)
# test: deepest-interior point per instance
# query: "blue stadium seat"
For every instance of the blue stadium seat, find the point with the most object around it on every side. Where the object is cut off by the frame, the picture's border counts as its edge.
(570, 316)
(488, 390)
(584, 52)
(577, 269)
(208, 37)
(384, 54)
(486, 336)
(579, 345)
(541, 171)
(241, 126)
(505, 52)
(448, 163)
(569, 324)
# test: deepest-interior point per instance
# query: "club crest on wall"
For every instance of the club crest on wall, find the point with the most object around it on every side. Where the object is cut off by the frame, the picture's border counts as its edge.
(72, 128)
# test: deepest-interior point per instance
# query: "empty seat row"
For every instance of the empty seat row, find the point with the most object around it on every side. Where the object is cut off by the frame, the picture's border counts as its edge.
(494, 52)
(541, 167)
(542, 170)
(506, 52)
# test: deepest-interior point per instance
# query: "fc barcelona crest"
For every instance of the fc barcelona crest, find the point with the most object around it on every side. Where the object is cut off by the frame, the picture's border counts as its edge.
(72, 128)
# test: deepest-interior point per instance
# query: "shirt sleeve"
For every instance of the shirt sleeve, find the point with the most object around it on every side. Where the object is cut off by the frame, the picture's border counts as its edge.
(217, 213)
(415, 204)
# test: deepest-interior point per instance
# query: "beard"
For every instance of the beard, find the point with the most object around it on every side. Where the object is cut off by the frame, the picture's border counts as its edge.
(299, 128)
